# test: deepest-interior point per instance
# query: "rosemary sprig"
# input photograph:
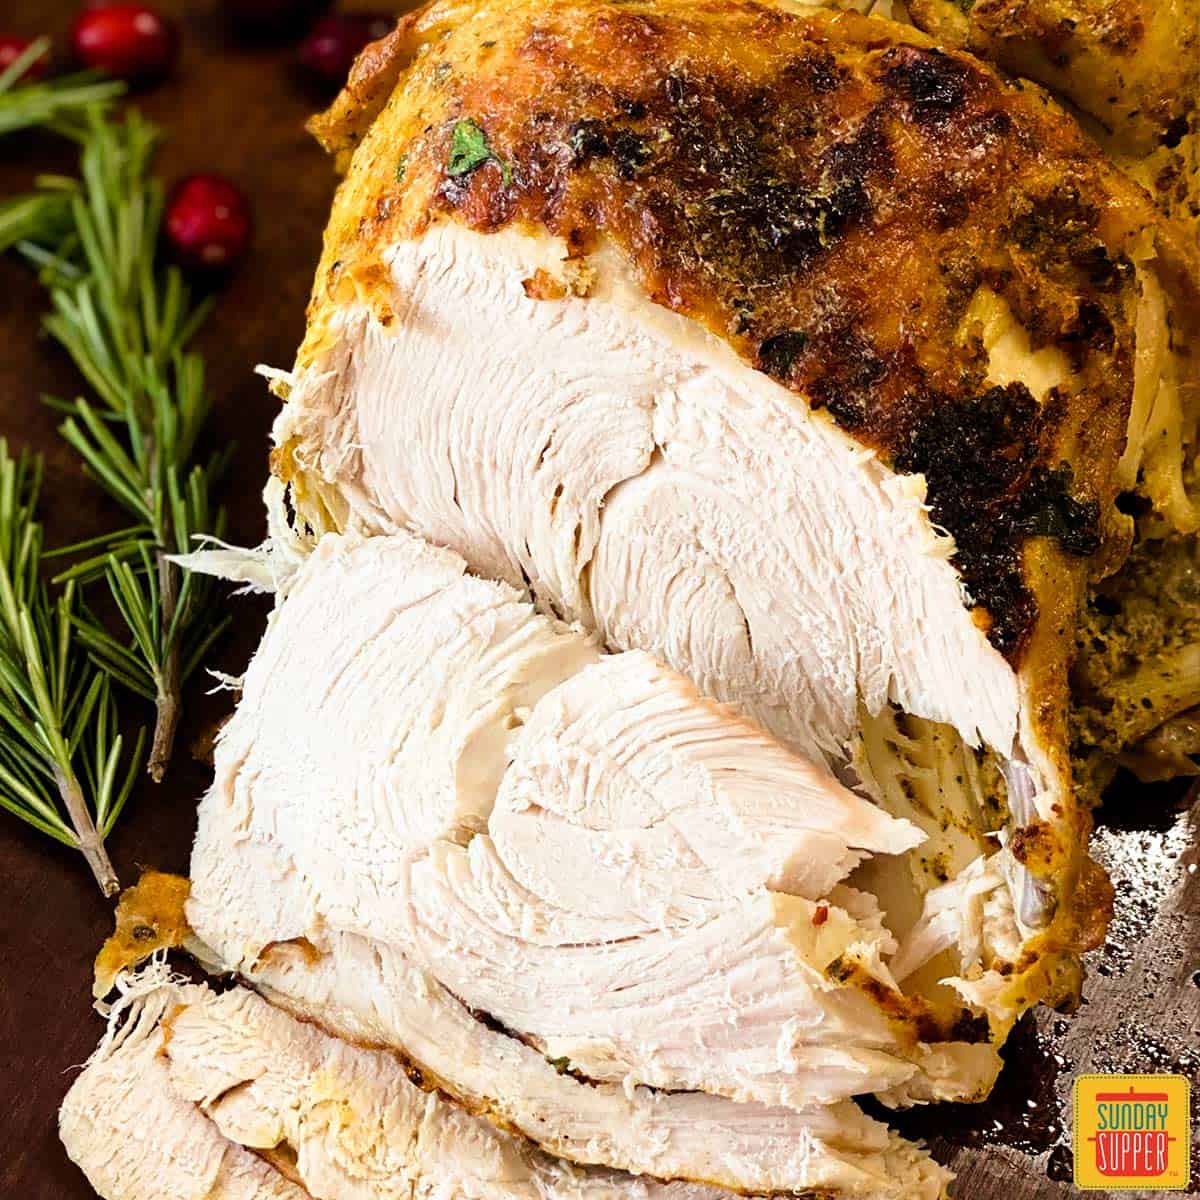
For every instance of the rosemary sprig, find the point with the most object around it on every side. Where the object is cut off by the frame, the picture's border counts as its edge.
(126, 323)
(54, 104)
(58, 104)
(59, 741)
(45, 215)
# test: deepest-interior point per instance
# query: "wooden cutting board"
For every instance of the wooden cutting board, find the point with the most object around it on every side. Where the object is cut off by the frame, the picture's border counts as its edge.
(240, 110)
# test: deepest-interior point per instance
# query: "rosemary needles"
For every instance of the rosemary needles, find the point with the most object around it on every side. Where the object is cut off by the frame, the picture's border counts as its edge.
(126, 321)
(59, 741)
(51, 104)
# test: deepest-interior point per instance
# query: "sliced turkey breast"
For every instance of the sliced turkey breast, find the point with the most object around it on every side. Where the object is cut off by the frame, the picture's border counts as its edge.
(806, 367)
(656, 808)
(625, 875)
(638, 490)
(371, 993)
(368, 993)
(136, 1138)
(304, 1114)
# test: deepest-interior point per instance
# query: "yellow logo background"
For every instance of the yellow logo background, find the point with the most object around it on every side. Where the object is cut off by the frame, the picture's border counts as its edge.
(1132, 1131)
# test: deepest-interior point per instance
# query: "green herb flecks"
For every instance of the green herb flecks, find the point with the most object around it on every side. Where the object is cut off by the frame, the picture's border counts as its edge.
(401, 167)
(63, 766)
(469, 150)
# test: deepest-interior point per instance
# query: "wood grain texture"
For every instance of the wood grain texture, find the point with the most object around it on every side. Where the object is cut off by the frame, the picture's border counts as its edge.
(240, 111)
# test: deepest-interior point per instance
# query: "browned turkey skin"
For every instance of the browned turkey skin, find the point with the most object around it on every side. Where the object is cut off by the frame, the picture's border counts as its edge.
(1132, 64)
(1132, 70)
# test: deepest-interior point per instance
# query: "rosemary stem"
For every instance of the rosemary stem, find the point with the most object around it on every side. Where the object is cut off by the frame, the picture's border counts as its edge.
(90, 843)
(167, 700)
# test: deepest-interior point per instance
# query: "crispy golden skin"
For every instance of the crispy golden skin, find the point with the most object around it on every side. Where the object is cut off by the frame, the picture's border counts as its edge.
(149, 918)
(1134, 65)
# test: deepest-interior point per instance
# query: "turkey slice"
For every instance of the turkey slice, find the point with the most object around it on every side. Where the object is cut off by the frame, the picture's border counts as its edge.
(286, 1111)
(136, 1138)
(764, 983)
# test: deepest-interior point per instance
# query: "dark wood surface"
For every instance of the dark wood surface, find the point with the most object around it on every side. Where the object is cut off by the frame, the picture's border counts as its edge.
(240, 110)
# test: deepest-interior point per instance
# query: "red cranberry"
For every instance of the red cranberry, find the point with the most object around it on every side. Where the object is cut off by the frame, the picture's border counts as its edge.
(207, 223)
(130, 41)
(12, 47)
(329, 51)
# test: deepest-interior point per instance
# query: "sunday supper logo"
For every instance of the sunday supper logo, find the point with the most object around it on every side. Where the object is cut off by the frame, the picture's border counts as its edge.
(1132, 1131)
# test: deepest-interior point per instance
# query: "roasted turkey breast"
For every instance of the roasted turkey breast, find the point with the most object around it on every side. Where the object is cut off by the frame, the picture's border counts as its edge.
(783, 344)
(1132, 73)
(1130, 69)
(644, 889)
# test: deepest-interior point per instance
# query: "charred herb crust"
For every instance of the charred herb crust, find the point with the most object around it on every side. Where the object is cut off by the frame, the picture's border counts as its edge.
(981, 456)
(828, 199)
(911, 1013)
